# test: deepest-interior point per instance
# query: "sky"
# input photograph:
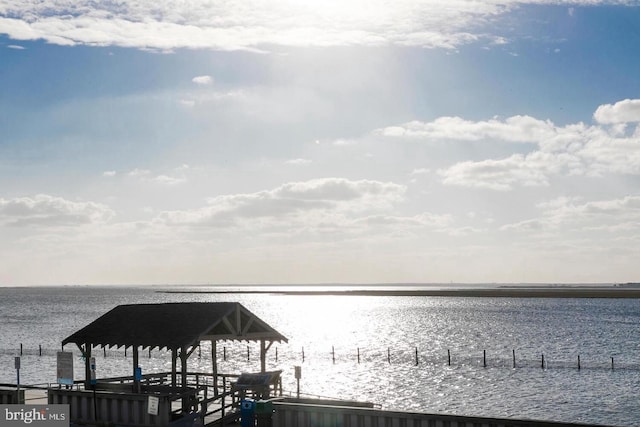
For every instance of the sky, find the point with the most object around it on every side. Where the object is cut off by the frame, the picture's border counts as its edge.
(305, 141)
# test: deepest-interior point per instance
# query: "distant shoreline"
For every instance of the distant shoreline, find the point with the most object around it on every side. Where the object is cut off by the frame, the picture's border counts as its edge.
(504, 292)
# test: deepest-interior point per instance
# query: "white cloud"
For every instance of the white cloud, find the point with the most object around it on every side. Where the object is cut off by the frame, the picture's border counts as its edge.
(571, 214)
(343, 142)
(567, 209)
(188, 103)
(624, 111)
(16, 47)
(46, 210)
(178, 175)
(298, 162)
(202, 80)
(516, 129)
(281, 204)
(139, 172)
(109, 173)
(249, 24)
(572, 150)
(424, 220)
(503, 174)
(340, 189)
(169, 180)
(421, 171)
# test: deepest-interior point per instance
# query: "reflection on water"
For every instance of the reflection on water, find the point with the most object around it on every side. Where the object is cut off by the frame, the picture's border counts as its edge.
(386, 331)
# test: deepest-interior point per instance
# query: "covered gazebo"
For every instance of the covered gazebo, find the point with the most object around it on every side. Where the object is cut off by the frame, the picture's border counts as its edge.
(176, 327)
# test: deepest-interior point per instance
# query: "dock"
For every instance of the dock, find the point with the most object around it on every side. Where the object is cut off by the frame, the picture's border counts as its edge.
(292, 412)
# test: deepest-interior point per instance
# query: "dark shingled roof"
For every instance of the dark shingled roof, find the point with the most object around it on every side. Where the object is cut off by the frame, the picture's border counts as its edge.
(174, 325)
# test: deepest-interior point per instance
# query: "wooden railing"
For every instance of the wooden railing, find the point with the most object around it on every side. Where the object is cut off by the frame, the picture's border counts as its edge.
(121, 401)
(11, 396)
(306, 415)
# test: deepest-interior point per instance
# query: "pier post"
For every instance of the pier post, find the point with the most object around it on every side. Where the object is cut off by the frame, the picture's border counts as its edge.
(224, 353)
(449, 357)
(389, 355)
(104, 351)
(20, 349)
(612, 363)
(276, 354)
(578, 362)
(39, 349)
(247, 353)
(333, 354)
(302, 354)
(542, 366)
(358, 354)
(484, 358)
(514, 357)
(416, 356)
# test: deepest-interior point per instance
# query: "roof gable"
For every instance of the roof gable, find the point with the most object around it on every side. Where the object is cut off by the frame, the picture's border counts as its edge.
(174, 325)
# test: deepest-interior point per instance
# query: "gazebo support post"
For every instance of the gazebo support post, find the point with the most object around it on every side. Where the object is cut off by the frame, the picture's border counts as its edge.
(214, 364)
(183, 367)
(174, 367)
(264, 347)
(136, 382)
(86, 353)
(183, 379)
(263, 356)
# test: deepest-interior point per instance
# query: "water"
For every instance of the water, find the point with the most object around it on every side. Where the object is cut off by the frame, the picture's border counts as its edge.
(561, 329)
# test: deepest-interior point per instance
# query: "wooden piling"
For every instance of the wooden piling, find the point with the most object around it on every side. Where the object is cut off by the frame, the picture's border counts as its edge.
(248, 358)
(358, 354)
(276, 354)
(578, 362)
(514, 358)
(125, 352)
(149, 352)
(333, 354)
(104, 351)
(224, 353)
(199, 351)
(417, 356)
(20, 349)
(542, 366)
(449, 357)
(303, 354)
(484, 358)
(389, 354)
(39, 349)
(612, 363)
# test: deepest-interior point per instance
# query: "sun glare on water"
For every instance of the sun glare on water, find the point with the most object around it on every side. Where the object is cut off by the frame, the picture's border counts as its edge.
(324, 320)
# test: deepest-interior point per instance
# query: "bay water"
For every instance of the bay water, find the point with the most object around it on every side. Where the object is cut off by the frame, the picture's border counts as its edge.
(393, 351)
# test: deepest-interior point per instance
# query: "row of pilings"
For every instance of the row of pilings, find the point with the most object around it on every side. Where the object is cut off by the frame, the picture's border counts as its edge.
(360, 355)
